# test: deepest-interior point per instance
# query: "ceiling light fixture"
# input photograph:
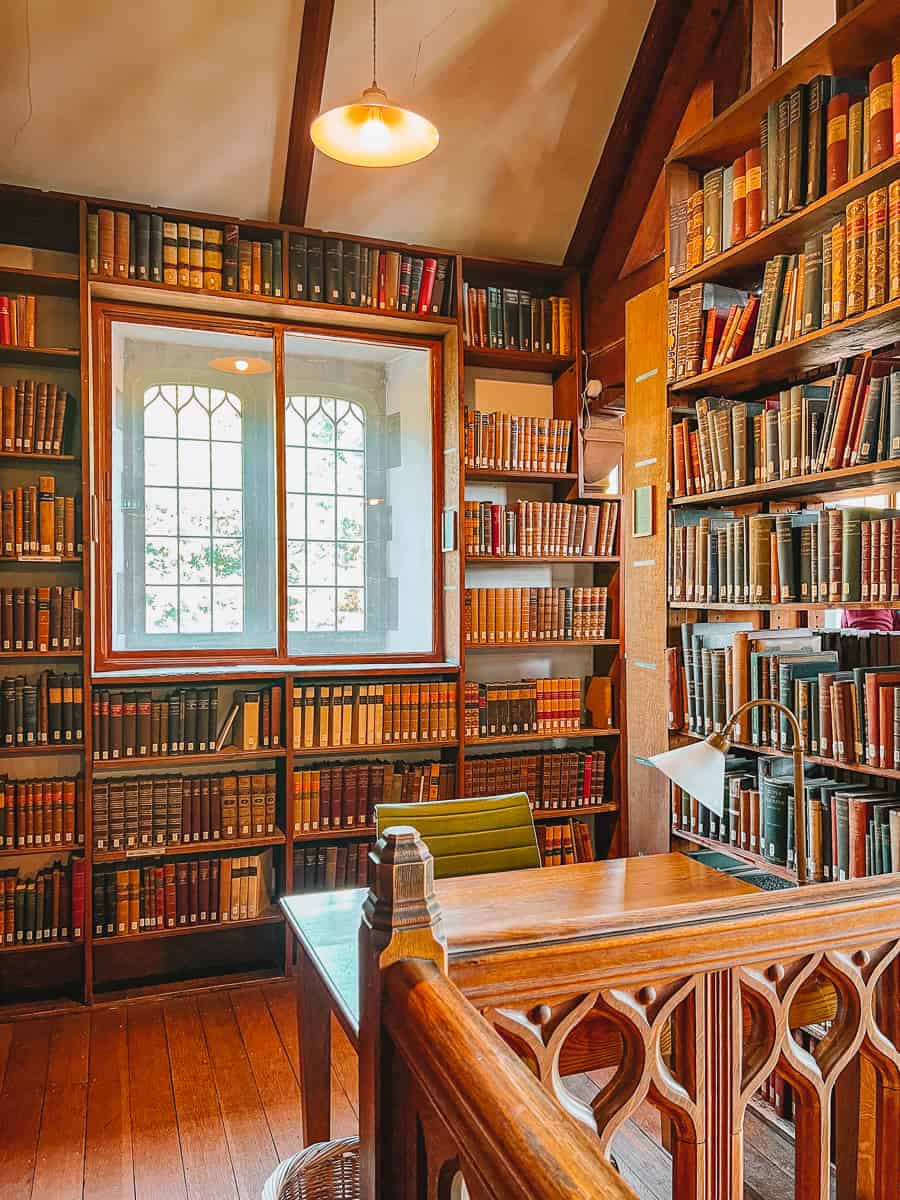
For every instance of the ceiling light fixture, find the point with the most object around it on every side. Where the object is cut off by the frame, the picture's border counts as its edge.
(373, 132)
(241, 366)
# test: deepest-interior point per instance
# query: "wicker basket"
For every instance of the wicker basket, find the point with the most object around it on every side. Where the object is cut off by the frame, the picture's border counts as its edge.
(326, 1171)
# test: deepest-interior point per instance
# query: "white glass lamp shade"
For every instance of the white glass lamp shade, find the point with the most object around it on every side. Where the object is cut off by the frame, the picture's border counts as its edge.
(699, 769)
(373, 133)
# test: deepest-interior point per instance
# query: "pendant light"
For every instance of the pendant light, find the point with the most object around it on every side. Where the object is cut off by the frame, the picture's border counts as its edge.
(373, 132)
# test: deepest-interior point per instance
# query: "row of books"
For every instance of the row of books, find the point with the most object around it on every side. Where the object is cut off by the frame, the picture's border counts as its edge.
(818, 556)
(173, 893)
(498, 616)
(811, 142)
(327, 716)
(538, 528)
(41, 812)
(38, 523)
(47, 906)
(41, 619)
(506, 318)
(17, 320)
(45, 712)
(720, 665)
(552, 779)
(36, 417)
(186, 721)
(565, 842)
(323, 866)
(337, 796)
(850, 420)
(852, 829)
(338, 271)
(174, 810)
(522, 706)
(152, 246)
(497, 441)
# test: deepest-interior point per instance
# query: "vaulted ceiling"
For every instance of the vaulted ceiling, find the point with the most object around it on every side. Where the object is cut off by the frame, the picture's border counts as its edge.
(188, 103)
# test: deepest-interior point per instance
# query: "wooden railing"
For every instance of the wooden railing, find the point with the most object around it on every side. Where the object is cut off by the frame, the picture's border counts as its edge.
(688, 1008)
(447, 1110)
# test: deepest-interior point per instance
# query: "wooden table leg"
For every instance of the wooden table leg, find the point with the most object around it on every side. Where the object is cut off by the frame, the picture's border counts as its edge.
(314, 1029)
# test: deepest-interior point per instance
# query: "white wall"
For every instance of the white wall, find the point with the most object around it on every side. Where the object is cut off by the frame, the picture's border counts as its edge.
(802, 22)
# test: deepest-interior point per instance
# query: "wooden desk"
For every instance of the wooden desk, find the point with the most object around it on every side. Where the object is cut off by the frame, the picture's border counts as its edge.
(486, 918)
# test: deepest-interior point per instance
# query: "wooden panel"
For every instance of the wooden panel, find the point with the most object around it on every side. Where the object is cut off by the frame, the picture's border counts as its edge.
(315, 33)
(645, 568)
(108, 1167)
(60, 1152)
(158, 1169)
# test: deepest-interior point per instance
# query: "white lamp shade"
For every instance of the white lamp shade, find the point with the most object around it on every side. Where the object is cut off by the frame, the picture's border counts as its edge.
(699, 769)
(373, 133)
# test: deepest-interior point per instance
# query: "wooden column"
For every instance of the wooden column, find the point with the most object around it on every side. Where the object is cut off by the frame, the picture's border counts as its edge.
(644, 569)
(400, 919)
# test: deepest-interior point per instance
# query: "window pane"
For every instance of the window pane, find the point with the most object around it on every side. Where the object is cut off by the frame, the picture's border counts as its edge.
(194, 486)
(358, 476)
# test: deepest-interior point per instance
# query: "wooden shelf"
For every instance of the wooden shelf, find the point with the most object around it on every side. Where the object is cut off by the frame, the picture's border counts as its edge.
(30, 751)
(556, 814)
(41, 560)
(107, 994)
(784, 607)
(54, 848)
(221, 757)
(273, 917)
(848, 48)
(516, 360)
(19, 947)
(181, 848)
(27, 456)
(545, 644)
(270, 670)
(522, 738)
(23, 655)
(748, 856)
(871, 330)
(334, 835)
(490, 474)
(276, 307)
(831, 763)
(39, 283)
(864, 475)
(573, 560)
(788, 235)
(45, 356)
(387, 748)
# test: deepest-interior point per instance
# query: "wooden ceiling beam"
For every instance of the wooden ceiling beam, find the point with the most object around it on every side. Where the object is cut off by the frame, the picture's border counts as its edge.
(315, 35)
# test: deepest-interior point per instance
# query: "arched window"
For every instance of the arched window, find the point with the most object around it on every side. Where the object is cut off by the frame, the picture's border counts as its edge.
(193, 510)
(325, 482)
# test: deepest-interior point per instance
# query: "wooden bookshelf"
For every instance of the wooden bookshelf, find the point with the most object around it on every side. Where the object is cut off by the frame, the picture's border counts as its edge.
(492, 475)
(39, 750)
(228, 756)
(850, 48)
(39, 283)
(385, 748)
(25, 457)
(43, 356)
(557, 734)
(560, 814)
(273, 917)
(180, 849)
(570, 560)
(539, 644)
(518, 360)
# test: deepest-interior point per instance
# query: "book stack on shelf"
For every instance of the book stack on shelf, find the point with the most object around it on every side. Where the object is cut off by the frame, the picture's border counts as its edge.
(334, 796)
(501, 442)
(339, 271)
(37, 523)
(561, 844)
(38, 813)
(540, 529)
(523, 707)
(41, 620)
(552, 779)
(322, 866)
(509, 318)
(43, 908)
(514, 616)
(351, 715)
(18, 316)
(44, 711)
(37, 417)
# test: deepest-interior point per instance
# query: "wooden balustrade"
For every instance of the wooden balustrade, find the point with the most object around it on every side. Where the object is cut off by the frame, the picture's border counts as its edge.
(690, 1008)
(447, 1110)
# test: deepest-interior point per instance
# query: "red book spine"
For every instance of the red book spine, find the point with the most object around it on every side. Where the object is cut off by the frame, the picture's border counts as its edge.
(837, 141)
(5, 330)
(858, 820)
(881, 115)
(429, 267)
(895, 92)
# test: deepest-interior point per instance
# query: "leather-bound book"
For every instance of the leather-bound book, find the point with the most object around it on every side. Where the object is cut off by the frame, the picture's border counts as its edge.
(265, 267)
(818, 93)
(122, 241)
(856, 257)
(838, 271)
(781, 156)
(18, 618)
(894, 240)
(738, 214)
(797, 144)
(351, 268)
(195, 256)
(93, 243)
(129, 724)
(156, 247)
(106, 220)
(46, 514)
(837, 141)
(877, 245)
(142, 245)
(143, 702)
(256, 286)
(230, 259)
(212, 259)
(184, 254)
(170, 253)
(429, 269)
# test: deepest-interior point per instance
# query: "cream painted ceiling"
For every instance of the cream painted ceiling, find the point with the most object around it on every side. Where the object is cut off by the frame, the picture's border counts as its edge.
(187, 103)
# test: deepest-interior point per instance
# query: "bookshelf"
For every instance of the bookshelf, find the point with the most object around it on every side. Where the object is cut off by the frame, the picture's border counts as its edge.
(44, 251)
(801, 356)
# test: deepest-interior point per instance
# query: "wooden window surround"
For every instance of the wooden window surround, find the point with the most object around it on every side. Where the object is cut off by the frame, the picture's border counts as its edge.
(109, 657)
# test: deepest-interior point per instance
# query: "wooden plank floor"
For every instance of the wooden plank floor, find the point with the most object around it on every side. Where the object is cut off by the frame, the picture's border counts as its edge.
(187, 1098)
(197, 1098)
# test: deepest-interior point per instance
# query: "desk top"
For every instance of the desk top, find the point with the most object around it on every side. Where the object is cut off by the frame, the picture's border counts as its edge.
(512, 909)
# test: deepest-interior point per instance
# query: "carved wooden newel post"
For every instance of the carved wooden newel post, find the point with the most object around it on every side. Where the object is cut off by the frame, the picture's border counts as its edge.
(400, 920)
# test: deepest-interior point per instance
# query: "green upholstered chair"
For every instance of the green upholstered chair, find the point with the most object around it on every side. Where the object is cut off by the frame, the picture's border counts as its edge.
(471, 836)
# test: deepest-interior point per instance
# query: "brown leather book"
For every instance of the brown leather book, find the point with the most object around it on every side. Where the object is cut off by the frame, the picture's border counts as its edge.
(837, 142)
(877, 244)
(856, 257)
(881, 119)
(122, 238)
(195, 256)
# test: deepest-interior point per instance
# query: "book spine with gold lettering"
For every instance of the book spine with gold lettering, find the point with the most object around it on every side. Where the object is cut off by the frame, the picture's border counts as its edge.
(838, 271)
(894, 240)
(856, 257)
(881, 119)
(46, 514)
(876, 238)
